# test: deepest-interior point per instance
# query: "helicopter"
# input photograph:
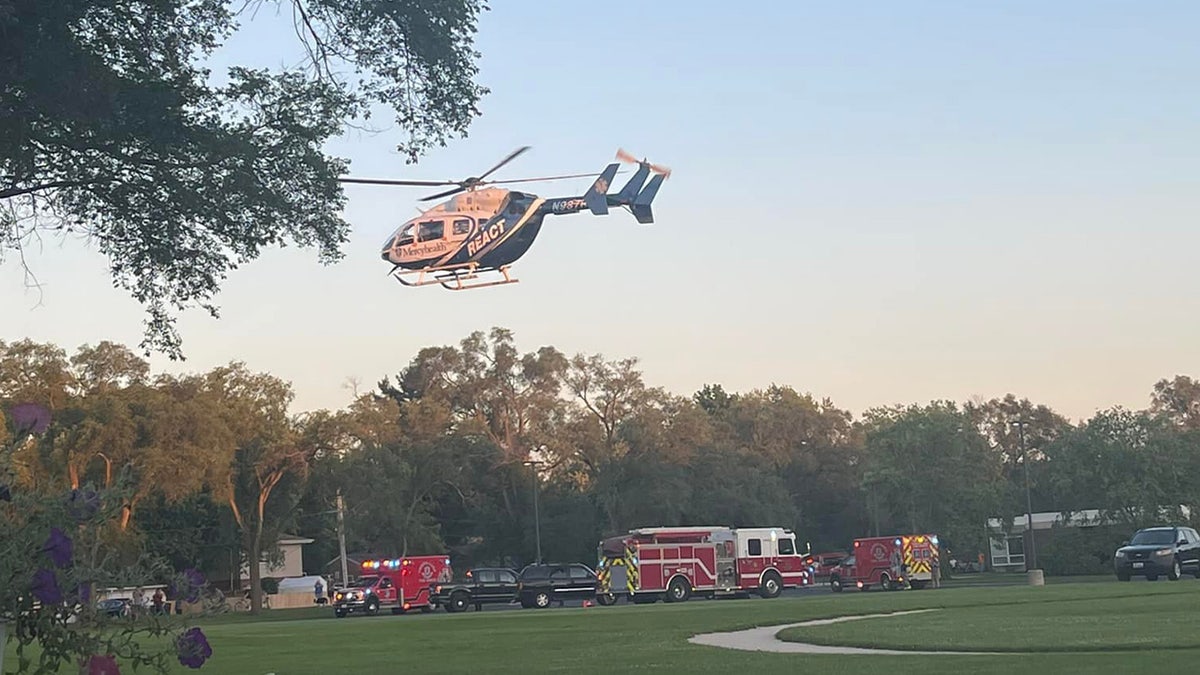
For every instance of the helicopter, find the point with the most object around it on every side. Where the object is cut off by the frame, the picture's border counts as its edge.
(472, 239)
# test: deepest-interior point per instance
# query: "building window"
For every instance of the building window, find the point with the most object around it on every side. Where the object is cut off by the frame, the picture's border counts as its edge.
(1008, 551)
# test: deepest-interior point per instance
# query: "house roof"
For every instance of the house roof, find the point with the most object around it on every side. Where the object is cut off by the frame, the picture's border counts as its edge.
(1048, 519)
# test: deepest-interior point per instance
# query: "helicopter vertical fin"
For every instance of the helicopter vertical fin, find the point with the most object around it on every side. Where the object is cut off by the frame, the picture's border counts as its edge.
(631, 189)
(597, 195)
(641, 204)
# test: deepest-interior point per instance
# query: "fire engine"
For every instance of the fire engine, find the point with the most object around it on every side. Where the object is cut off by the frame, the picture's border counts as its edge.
(890, 563)
(398, 584)
(672, 563)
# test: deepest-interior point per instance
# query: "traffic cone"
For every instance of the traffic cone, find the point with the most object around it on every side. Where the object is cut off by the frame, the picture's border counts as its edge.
(587, 603)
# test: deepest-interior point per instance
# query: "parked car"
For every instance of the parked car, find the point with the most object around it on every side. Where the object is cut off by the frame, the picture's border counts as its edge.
(540, 585)
(1159, 550)
(483, 585)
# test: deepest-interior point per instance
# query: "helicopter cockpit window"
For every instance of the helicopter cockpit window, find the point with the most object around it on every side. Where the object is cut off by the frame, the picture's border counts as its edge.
(462, 226)
(406, 236)
(432, 229)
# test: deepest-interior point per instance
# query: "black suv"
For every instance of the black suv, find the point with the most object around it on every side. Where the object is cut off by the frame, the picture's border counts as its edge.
(483, 585)
(540, 585)
(1159, 550)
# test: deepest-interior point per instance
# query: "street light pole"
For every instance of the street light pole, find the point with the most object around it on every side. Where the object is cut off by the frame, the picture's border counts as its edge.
(1031, 557)
(537, 526)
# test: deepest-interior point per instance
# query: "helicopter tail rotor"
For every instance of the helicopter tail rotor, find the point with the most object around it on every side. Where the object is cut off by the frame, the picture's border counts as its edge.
(630, 158)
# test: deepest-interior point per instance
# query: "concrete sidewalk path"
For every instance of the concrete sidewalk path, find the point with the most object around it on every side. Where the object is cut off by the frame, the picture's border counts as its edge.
(763, 639)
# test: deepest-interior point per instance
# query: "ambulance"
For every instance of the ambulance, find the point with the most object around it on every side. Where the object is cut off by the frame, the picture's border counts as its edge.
(397, 584)
(892, 562)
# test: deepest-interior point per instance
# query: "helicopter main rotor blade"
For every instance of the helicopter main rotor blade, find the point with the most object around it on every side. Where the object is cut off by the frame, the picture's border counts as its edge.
(532, 180)
(447, 193)
(504, 161)
(386, 181)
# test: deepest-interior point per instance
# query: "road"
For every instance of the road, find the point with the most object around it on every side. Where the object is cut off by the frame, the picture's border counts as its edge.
(787, 593)
(822, 588)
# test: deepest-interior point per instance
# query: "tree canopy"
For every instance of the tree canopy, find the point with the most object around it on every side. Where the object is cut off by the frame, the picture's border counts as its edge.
(113, 129)
(438, 457)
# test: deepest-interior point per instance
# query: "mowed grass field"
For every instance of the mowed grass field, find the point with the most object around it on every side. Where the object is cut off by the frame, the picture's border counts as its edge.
(1075, 627)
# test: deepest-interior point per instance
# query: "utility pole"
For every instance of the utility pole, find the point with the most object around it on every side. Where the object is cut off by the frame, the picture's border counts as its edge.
(341, 525)
(1031, 555)
(537, 526)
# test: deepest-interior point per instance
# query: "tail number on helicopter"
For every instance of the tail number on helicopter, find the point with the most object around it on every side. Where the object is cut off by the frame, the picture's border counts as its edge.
(568, 205)
(486, 236)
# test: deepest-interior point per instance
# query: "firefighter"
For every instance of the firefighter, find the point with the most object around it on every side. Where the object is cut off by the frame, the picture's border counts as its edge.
(897, 567)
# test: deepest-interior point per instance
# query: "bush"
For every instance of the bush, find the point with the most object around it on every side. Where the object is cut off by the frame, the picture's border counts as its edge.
(270, 585)
(1075, 551)
(56, 549)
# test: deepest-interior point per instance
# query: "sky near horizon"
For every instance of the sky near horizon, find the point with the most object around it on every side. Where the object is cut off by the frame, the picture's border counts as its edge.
(879, 203)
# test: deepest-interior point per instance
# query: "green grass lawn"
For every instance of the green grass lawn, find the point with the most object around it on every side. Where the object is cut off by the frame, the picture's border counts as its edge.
(1151, 621)
(654, 637)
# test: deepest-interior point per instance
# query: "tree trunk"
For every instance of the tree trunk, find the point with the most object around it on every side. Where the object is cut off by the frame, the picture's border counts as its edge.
(255, 552)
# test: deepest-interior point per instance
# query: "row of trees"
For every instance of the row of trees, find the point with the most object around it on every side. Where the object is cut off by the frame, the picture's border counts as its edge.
(445, 456)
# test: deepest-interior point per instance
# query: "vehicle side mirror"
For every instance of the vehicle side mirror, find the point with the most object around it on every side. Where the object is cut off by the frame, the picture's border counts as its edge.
(1125, 543)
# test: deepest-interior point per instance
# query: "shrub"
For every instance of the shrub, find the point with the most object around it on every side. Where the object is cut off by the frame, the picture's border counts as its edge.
(56, 549)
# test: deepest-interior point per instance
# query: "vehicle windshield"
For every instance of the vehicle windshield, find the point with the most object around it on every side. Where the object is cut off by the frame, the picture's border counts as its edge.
(363, 582)
(1152, 537)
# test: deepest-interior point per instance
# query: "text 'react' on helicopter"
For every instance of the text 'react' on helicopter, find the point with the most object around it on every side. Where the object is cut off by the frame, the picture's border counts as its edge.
(484, 230)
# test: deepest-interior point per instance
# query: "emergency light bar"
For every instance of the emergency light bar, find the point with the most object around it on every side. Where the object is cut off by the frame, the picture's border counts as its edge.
(392, 564)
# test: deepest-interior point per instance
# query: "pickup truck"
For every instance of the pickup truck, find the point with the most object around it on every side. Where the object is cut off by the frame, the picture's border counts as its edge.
(482, 585)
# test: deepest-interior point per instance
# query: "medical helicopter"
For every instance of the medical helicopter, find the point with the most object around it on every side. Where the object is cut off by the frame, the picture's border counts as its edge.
(481, 231)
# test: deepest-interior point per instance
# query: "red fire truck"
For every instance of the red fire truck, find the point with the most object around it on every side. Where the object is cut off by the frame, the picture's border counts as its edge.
(672, 563)
(890, 563)
(398, 584)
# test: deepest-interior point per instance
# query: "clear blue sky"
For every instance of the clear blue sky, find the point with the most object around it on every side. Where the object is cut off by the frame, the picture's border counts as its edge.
(879, 203)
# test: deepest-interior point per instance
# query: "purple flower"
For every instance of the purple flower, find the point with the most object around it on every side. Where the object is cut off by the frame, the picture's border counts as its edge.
(58, 547)
(189, 587)
(83, 504)
(193, 648)
(103, 665)
(45, 587)
(30, 418)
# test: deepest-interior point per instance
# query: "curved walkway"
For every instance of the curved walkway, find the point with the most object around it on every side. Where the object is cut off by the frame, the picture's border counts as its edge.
(764, 640)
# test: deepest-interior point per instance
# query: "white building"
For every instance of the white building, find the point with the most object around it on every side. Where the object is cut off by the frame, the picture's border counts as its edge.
(1008, 549)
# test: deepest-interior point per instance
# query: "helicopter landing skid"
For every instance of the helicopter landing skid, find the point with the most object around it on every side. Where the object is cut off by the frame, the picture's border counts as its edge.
(454, 276)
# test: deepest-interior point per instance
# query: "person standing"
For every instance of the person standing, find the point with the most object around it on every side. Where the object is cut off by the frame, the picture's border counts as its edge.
(318, 592)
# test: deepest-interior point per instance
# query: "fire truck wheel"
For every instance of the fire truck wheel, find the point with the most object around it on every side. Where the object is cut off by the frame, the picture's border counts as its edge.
(541, 599)
(885, 582)
(771, 586)
(372, 607)
(458, 603)
(606, 599)
(835, 584)
(679, 590)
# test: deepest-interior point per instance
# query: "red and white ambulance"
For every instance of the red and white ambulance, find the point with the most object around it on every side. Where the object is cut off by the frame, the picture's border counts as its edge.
(673, 563)
(398, 584)
(892, 562)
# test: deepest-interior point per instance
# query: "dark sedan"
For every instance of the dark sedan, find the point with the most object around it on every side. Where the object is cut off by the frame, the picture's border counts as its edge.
(1159, 550)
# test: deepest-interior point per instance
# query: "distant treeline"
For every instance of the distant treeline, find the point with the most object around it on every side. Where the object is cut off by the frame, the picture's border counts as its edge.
(442, 455)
